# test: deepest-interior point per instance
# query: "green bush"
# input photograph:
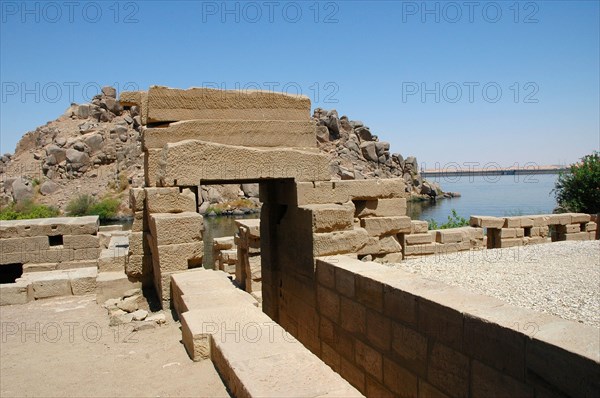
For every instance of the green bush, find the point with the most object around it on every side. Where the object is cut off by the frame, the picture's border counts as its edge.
(27, 210)
(454, 221)
(578, 190)
(106, 209)
(80, 206)
(87, 205)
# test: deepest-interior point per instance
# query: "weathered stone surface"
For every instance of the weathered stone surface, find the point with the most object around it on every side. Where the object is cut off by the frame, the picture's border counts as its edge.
(178, 257)
(344, 191)
(131, 98)
(113, 285)
(377, 226)
(49, 284)
(417, 239)
(137, 196)
(80, 241)
(16, 245)
(331, 217)
(169, 105)
(83, 280)
(189, 162)
(418, 227)
(20, 292)
(138, 265)
(170, 200)
(381, 208)
(452, 235)
(486, 222)
(330, 243)
(248, 133)
(176, 228)
(151, 166)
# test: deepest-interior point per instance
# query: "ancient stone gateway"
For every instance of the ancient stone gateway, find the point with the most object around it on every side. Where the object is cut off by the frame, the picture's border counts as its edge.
(385, 332)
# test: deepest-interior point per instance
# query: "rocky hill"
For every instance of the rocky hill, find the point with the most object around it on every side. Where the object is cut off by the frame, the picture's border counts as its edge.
(95, 149)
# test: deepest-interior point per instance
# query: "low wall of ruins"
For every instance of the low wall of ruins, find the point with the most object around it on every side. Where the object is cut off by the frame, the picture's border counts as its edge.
(391, 333)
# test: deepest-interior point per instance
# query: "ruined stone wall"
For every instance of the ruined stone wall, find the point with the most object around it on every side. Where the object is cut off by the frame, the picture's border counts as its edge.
(503, 232)
(391, 333)
(57, 256)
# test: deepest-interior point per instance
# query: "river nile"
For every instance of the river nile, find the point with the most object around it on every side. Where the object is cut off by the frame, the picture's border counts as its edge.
(490, 196)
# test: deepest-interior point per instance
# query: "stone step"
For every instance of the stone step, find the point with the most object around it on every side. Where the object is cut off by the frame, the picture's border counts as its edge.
(57, 283)
(256, 357)
(112, 260)
(114, 285)
(208, 299)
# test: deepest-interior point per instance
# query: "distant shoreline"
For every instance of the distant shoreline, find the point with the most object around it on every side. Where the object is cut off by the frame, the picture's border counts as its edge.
(454, 172)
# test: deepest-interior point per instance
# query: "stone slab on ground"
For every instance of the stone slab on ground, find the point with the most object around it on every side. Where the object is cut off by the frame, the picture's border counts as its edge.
(113, 285)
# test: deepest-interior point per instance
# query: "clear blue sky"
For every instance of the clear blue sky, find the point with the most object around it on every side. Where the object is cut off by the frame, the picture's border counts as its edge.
(369, 60)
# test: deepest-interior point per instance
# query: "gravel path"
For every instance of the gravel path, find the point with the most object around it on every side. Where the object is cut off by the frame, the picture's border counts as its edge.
(559, 278)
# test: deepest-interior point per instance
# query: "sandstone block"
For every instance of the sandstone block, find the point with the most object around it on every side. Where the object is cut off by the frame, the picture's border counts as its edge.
(574, 236)
(486, 222)
(568, 229)
(344, 191)
(189, 162)
(169, 105)
(453, 235)
(170, 200)
(381, 208)
(83, 280)
(179, 257)
(418, 227)
(23, 244)
(138, 265)
(176, 228)
(591, 226)
(559, 219)
(512, 222)
(449, 371)
(330, 243)
(331, 217)
(398, 379)
(19, 292)
(377, 226)
(110, 285)
(151, 166)
(416, 250)
(512, 242)
(418, 239)
(131, 98)
(246, 133)
(67, 265)
(80, 241)
(580, 218)
(49, 284)
(539, 220)
(137, 197)
(223, 243)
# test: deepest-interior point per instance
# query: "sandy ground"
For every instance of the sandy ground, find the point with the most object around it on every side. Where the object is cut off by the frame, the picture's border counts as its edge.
(63, 347)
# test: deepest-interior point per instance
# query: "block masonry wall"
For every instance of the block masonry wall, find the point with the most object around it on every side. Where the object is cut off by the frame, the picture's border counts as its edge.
(391, 333)
(59, 257)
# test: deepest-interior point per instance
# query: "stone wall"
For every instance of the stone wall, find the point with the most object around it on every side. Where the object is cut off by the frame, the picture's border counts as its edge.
(57, 257)
(505, 232)
(248, 274)
(391, 333)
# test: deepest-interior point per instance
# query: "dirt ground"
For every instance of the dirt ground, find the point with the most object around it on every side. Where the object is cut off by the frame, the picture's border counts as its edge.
(63, 347)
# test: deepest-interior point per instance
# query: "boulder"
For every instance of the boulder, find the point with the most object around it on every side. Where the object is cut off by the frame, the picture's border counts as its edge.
(364, 134)
(369, 151)
(250, 190)
(77, 159)
(94, 142)
(109, 91)
(49, 187)
(58, 153)
(322, 133)
(22, 189)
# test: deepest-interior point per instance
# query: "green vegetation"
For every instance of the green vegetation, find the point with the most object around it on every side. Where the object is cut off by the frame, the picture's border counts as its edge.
(27, 210)
(578, 190)
(454, 221)
(87, 205)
